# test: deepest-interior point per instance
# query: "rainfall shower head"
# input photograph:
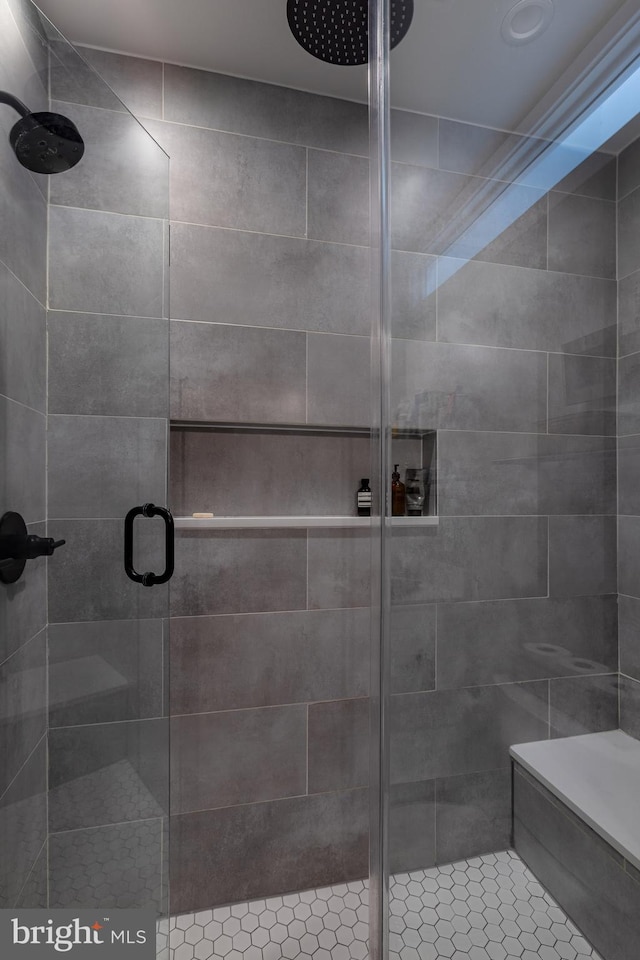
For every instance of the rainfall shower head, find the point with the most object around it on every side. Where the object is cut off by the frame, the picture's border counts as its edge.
(337, 31)
(43, 142)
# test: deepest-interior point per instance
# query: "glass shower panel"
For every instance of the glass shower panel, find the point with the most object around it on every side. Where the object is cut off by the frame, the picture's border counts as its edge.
(510, 128)
(271, 398)
(99, 264)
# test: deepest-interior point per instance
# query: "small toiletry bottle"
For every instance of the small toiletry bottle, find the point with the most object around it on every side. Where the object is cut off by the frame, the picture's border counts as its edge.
(363, 498)
(414, 492)
(398, 498)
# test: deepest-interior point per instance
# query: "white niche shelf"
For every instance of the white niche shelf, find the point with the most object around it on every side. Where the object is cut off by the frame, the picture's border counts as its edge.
(270, 523)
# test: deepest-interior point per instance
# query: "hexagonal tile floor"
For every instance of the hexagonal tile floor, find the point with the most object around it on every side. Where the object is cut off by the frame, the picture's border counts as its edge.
(487, 908)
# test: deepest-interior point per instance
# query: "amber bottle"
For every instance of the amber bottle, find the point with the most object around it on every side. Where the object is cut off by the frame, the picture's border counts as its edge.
(398, 494)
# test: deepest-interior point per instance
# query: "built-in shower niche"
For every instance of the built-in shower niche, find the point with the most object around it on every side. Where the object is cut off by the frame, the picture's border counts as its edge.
(283, 475)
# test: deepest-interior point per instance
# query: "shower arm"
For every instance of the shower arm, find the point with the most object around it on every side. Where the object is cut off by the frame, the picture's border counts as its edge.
(12, 101)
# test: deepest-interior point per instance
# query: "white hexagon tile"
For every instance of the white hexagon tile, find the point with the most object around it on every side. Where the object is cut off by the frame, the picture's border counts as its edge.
(486, 908)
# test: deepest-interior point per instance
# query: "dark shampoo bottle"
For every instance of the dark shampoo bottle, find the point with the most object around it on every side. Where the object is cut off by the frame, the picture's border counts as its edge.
(363, 498)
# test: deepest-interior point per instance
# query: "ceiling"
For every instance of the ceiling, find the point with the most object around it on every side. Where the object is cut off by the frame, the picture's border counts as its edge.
(453, 62)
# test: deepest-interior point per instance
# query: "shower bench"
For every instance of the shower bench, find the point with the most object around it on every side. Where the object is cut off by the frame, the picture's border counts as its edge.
(576, 823)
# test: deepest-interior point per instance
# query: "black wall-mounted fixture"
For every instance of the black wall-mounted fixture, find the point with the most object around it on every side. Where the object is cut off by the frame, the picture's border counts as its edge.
(149, 579)
(337, 31)
(17, 546)
(43, 142)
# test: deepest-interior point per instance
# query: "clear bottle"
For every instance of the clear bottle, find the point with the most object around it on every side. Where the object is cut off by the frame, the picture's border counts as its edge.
(363, 498)
(398, 495)
(414, 492)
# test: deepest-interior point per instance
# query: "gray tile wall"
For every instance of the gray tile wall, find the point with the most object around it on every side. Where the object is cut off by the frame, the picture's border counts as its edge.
(516, 370)
(629, 437)
(23, 615)
(108, 406)
(504, 617)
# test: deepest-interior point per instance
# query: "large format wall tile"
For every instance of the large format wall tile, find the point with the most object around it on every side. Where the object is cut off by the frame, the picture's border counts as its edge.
(628, 234)
(23, 684)
(23, 605)
(124, 170)
(239, 572)
(630, 706)
(469, 730)
(628, 467)
(628, 167)
(108, 773)
(413, 295)
(236, 757)
(23, 825)
(628, 633)
(628, 396)
(23, 465)
(515, 473)
(221, 102)
(596, 176)
(629, 556)
(629, 314)
(236, 374)
(106, 671)
(103, 466)
(473, 814)
(251, 184)
(587, 704)
(339, 383)
(471, 558)
(226, 276)
(471, 149)
(87, 867)
(23, 214)
(507, 306)
(434, 211)
(450, 387)
(412, 645)
(126, 279)
(262, 659)
(264, 849)
(108, 366)
(73, 80)
(506, 640)
(412, 833)
(22, 343)
(582, 395)
(582, 235)
(137, 82)
(338, 745)
(582, 556)
(24, 63)
(338, 201)
(271, 473)
(414, 138)
(339, 568)
(87, 580)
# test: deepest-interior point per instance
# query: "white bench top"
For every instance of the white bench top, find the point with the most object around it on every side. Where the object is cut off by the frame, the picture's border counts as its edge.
(598, 777)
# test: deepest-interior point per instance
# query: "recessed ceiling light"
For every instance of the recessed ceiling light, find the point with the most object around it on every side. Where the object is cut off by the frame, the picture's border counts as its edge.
(527, 20)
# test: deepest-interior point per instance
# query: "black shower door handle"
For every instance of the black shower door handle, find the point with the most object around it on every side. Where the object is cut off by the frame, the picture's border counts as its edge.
(149, 510)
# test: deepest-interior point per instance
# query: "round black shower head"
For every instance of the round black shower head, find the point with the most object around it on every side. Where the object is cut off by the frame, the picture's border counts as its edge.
(46, 142)
(337, 31)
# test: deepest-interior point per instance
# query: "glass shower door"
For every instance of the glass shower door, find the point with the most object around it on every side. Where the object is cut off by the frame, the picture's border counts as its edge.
(100, 267)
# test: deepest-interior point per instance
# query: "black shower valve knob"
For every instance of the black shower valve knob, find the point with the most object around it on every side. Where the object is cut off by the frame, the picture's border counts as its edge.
(39, 547)
(17, 546)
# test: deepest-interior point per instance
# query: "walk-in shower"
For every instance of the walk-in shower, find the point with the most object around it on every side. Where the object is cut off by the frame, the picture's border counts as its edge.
(369, 338)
